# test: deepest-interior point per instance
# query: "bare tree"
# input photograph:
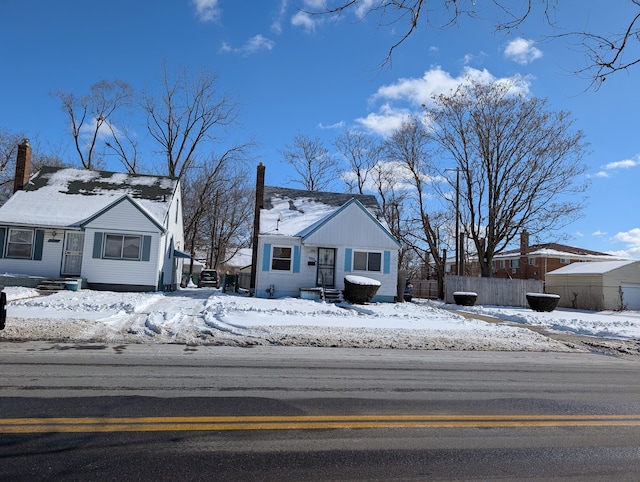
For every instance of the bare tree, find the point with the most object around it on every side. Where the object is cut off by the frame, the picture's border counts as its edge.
(311, 161)
(216, 210)
(124, 146)
(361, 152)
(605, 52)
(184, 117)
(8, 151)
(426, 231)
(92, 116)
(405, 17)
(611, 52)
(520, 164)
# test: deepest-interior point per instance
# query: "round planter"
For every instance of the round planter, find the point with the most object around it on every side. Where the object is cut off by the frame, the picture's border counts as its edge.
(360, 290)
(542, 301)
(465, 298)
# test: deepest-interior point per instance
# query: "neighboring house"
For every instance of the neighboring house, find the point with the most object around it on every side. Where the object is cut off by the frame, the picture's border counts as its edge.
(535, 261)
(116, 231)
(607, 285)
(308, 239)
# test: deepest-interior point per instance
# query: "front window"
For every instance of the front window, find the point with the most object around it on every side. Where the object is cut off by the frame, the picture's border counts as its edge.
(281, 259)
(118, 246)
(514, 263)
(20, 243)
(365, 261)
(565, 261)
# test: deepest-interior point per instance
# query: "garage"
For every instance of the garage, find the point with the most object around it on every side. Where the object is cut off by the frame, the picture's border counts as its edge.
(631, 296)
(597, 285)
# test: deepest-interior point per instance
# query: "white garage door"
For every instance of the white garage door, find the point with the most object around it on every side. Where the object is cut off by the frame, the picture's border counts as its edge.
(631, 296)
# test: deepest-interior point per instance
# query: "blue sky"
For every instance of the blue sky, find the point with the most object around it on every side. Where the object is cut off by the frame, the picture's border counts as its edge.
(297, 74)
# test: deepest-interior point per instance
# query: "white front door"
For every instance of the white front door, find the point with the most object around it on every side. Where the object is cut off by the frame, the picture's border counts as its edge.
(72, 255)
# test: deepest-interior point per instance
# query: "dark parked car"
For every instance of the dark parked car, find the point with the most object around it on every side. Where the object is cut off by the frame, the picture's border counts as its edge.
(209, 278)
(408, 291)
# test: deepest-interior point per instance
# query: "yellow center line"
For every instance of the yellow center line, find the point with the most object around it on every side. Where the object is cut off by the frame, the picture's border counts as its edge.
(305, 422)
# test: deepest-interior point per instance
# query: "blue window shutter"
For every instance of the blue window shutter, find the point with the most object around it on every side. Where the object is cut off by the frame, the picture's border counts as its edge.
(347, 260)
(266, 259)
(37, 251)
(97, 245)
(296, 259)
(146, 248)
(3, 233)
(387, 262)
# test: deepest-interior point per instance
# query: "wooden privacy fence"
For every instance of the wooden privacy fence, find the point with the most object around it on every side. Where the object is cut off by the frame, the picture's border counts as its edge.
(493, 291)
(427, 288)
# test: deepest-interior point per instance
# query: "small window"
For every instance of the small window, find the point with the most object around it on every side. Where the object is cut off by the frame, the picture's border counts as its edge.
(565, 261)
(119, 246)
(365, 261)
(532, 261)
(20, 243)
(514, 263)
(502, 264)
(281, 259)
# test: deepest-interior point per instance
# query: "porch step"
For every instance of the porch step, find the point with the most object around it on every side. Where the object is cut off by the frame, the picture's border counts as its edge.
(333, 296)
(53, 285)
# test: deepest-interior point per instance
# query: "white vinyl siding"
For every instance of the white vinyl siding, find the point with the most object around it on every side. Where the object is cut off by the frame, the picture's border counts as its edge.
(127, 221)
(48, 266)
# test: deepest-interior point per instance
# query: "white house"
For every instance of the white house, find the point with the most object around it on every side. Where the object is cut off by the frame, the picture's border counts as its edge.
(605, 285)
(116, 231)
(308, 239)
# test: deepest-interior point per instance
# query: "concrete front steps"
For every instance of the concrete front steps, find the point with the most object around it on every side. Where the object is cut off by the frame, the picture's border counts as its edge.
(53, 285)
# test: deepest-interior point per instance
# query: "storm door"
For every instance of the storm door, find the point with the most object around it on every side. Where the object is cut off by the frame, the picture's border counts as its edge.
(326, 267)
(72, 255)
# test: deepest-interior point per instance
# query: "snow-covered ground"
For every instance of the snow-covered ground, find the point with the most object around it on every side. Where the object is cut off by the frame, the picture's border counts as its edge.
(208, 317)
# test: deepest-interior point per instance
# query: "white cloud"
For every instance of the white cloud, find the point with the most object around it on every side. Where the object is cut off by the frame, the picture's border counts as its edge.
(598, 233)
(385, 121)
(406, 96)
(251, 46)
(420, 91)
(258, 43)
(606, 170)
(632, 239)
(276, 25)
(522, 51)
(337, 125)
(627, 163)
(207, 10)
(304, 20)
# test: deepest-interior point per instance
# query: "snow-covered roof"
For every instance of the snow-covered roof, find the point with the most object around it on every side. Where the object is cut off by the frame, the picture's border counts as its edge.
(66, 197)
(555, 250)
(591, 268)
(241, 258)
(290, 212)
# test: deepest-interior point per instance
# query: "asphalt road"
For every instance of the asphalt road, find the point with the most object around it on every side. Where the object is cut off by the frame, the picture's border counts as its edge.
(148, 412)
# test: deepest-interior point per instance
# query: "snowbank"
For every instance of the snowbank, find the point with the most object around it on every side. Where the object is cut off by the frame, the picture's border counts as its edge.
(209, 317)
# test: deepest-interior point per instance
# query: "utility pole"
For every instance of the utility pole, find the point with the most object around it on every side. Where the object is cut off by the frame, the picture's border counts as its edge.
(458, 241)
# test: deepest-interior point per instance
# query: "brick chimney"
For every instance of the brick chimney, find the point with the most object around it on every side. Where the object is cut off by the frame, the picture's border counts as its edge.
(524, 242)
(23, 166)
(256, 223)
(524, 250)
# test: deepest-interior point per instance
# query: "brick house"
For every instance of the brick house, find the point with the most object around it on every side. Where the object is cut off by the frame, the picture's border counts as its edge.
(534, 261)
